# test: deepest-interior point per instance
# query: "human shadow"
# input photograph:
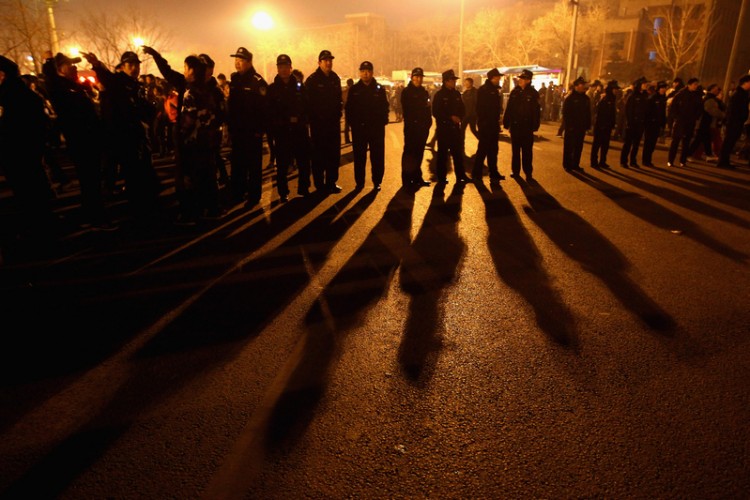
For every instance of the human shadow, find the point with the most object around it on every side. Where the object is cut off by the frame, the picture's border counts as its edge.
(431, 264)
(715, 173)
(580, 241)
(518, 262)
(341, 307)
(649, 211)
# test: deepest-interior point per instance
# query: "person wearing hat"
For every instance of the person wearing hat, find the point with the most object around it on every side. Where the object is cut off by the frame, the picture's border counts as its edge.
(522, 118)
(79, 123)
(247, 116)
(656, 120)
(714, 112)
(606, 118)
(130, 142)
(22, 130)
(220, 99)
(577, 119)
(325, 111)
(287, 99)
(367, 108)
(594, 92)
(489, 108)
(635, 122)
(737, 115)
(469, 96)
(415, 101)
(687, 108)
(448, 110)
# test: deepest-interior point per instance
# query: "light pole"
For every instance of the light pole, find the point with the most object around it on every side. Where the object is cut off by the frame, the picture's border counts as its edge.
(733, 54)
(263, 21)
(54, 42)
(461, 43)
(568, 72)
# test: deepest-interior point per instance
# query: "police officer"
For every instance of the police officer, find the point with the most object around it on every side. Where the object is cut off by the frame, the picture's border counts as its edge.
(367, 108)
(522, 117)
(324, 94)
(606, 118)
(577, 119)
(415, 102)
(656, 120)
(247, 109)
(687, 108)
(448, 110)
(489, 109)
(288, 109)
(636, 108)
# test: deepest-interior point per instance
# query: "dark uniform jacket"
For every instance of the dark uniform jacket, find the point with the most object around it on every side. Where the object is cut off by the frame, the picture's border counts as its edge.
(489, 106)
(522, 112)
(447, 103)
(324, 96)
(174, 78)
(22, 123)
(636, 108)
(415, 102)
(577, 111)
(687, 108)
(470, 98)
(129, 108)
(656, 114)
(288, 103)
(737, 110)
(76, 112)
(367, 105)
(606, 112)
(247, 106)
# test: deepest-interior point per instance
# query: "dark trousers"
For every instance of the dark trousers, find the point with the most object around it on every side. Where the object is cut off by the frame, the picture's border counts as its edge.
(370, 137)
(326, 141)
(522, 150)
(650, 137)
(450, 142)
(600, 146)
(488, 148)
(681, 134)
(470, 122)
(415, 138)
(573, 147)
(141, 181)
(292, 143)
(88, 165)
(633, 135)
(702, 138)
(247, 167)
(199, 190)
(733, 134)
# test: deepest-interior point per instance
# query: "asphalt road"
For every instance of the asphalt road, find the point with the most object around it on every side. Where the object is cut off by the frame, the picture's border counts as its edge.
(584, 336)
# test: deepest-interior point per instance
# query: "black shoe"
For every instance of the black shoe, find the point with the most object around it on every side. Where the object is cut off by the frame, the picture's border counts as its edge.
(442, 181)
(251, 203)
(463, 178)
(422, 182)
(359, 187)
(624, 165)
(515, 175)
(334, 188)
(303, 192)
(635, 165)
(682, 164)
(604, 165)
(284, 198)
(649, 164)
(376, 187)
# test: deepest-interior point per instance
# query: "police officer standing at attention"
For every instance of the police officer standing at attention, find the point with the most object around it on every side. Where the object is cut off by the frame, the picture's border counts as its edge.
(367, 108)
(604, 122)
(415, 102)
(288, 109)
(577, 119)
(489, 108)
(656, 120)
(687, 108)
(635, 122)
(248, 113)
(522, 117)
(324, 94)
(448, 110)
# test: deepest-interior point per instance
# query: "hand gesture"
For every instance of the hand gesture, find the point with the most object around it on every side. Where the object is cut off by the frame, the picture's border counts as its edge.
(150, 51)
(91, 58)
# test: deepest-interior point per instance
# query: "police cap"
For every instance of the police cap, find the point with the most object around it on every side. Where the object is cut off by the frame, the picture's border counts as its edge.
(449, 75)
(129, 57)
(526, 74)
(662, 85)
(579, 81)
(243, 53)
(417, 72)
(283, 59)
(325, 54)
(61, 59)
(613, 84)
(494, 72)
(366, 65)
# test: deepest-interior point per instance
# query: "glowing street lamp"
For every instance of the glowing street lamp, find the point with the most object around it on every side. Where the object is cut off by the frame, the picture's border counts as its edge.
(262, 21)
(138, 42)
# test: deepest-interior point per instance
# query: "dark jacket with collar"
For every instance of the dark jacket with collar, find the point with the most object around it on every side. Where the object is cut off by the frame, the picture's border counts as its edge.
(447, 103)
(247, 106)
(367, 105)
(489, 106)
(324, 95)
(415, 102)
(522, 112)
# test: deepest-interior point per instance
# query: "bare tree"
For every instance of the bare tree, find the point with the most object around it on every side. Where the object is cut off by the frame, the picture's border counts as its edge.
(433, 42)
(24, 32)
(497, 37)
(682, 32)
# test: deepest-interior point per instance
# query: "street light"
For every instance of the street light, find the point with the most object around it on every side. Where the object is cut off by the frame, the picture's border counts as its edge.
(262, 21)
(52, 26)
(461, 42)
(568, 72)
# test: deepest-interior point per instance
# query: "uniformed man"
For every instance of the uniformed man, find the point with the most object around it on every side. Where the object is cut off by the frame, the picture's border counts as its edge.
(522, 117)
(448, 110)
(489, 109)
(687, 108)
(247, 108)
(577, 119)
(288, 110)
(606, 118)
(324, 95)
(656, 120)
(367, 108)
(635, 122)
(415, 101)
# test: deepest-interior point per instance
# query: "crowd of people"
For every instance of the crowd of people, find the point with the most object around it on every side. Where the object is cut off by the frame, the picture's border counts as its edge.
(113, 129)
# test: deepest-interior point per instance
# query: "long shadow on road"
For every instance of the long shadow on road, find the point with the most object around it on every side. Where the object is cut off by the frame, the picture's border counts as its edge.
(580, 241)
(519, 264)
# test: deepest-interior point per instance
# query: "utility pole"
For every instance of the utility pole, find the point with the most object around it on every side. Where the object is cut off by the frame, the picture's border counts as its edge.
(54, 41)
(571, 49)
(733, 55)
(461, 43)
